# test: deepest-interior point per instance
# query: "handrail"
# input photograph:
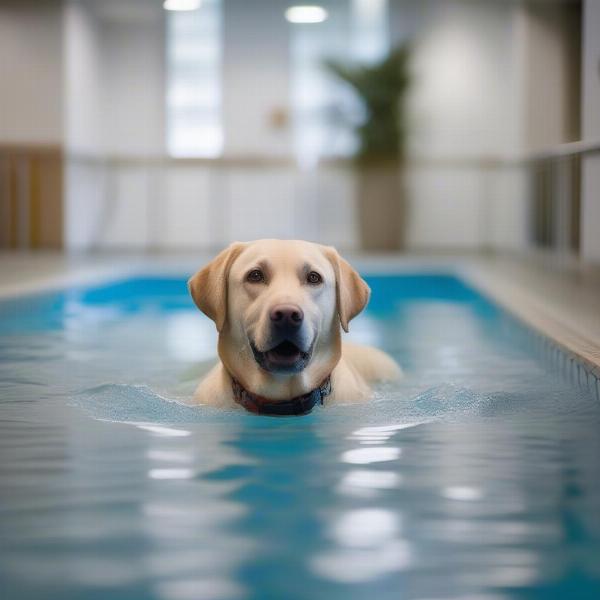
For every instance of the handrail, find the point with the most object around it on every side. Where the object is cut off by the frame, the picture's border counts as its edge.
(564, 150)
(484, 162)
(163, 160)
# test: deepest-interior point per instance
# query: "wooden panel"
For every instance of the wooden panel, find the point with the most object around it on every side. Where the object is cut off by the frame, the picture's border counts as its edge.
(13, 206)
(4, 201)
(31, 197)
(35, 191)
(51, 208)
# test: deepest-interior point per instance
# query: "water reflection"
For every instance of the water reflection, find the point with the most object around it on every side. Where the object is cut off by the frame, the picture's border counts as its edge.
(366, 527)
(189, 517)
(163, 431)
(209, 588)
(365, 456)
(281, 492)
(366, 483)
(177, 473)
(462, 492)
(190, 338)
(363, 565)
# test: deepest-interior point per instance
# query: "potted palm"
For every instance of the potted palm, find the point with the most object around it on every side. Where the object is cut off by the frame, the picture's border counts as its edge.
(381, 89)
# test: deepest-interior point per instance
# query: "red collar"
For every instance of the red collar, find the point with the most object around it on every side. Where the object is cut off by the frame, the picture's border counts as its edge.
(300, 405)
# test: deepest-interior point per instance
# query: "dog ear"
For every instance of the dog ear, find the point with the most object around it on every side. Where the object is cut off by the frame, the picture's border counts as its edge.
(352, 293)
(208, 286)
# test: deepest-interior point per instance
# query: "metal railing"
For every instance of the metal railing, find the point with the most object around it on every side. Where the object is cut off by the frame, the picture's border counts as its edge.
(556, 196)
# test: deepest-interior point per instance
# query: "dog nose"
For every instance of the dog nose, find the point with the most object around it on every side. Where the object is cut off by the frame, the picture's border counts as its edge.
(287, 315)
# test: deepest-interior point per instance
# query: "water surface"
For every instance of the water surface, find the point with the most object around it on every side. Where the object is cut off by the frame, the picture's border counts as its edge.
(476, 477)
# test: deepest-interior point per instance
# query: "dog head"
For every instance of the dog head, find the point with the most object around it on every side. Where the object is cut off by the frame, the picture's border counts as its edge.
(278, 306)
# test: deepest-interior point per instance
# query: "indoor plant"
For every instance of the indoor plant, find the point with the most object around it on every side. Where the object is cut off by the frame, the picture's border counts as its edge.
(382, 88)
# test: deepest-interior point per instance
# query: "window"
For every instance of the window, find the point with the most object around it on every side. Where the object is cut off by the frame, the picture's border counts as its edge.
(324, 108)
(193, 112)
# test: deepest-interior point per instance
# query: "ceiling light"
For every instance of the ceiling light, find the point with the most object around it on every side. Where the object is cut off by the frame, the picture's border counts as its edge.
(181, 4)
(306, 14)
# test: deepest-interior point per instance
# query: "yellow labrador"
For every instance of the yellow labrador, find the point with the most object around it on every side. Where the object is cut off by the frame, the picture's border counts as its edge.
(278, 306)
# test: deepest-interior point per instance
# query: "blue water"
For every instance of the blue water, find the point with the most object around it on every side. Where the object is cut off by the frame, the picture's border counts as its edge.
(476, 477)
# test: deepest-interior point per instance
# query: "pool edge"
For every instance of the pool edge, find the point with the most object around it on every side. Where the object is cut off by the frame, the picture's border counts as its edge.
(531, 310)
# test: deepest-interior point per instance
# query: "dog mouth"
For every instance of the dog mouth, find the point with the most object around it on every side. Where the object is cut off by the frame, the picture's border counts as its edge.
(285, 357)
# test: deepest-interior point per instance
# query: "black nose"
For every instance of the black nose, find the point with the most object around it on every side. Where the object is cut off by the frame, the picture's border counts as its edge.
(287, 316)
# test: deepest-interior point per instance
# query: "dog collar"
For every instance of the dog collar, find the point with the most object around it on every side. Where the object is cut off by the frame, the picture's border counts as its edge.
(300, 405)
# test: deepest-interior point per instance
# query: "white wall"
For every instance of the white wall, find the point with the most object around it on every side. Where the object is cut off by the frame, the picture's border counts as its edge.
(548, 59)
(82, 109)
(590, 185)
(114, 105)
(31, 71)
(133, 107)
(255, 78)
(133, 82)
(464, 95)
(114, 82)
(465, 105)
(83, 86)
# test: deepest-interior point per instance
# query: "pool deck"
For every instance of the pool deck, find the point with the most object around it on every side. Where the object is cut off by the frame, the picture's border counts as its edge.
(560, 301)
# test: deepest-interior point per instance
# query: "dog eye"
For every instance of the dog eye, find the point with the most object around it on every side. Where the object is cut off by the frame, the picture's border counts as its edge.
(314, 278)
(255, 276)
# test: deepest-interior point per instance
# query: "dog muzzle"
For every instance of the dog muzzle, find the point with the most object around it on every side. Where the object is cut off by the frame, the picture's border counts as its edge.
(300, 405)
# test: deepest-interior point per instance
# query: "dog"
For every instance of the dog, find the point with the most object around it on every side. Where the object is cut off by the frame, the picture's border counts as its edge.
(278, 306)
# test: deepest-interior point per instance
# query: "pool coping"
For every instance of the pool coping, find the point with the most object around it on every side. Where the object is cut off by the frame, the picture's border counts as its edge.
(532, 310)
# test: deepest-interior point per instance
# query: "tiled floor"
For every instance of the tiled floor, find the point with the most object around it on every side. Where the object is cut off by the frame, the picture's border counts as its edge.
(562, 302)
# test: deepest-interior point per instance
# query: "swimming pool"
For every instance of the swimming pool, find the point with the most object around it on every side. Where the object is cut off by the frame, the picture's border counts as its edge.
(476, 477)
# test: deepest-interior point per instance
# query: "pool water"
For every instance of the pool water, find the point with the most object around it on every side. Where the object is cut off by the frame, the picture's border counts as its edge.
(476, 477)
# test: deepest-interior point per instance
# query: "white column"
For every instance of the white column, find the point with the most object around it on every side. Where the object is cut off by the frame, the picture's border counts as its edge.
(590, 184)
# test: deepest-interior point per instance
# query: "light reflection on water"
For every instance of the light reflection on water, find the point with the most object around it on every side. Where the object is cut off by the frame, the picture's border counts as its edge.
(476, 477)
